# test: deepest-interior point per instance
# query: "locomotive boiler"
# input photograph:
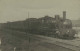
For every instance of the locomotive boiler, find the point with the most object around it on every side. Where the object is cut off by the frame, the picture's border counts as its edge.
(47, 26)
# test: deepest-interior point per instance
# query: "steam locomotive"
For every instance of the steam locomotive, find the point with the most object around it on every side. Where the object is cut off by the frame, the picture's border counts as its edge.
(47, 26)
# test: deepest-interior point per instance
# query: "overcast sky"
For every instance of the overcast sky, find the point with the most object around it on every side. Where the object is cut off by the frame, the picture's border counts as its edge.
(14, 10)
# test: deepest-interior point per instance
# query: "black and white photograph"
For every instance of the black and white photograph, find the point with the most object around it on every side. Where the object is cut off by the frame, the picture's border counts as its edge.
(39, 25)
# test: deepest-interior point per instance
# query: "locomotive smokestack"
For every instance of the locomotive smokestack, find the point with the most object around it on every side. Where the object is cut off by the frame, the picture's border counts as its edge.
(64, 15)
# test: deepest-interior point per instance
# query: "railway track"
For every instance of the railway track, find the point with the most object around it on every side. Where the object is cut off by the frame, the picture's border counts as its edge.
(63, 43)
(73, 45)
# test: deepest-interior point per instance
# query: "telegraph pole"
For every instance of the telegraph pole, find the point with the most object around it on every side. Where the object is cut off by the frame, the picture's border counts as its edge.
(28, 34)
(28, 14)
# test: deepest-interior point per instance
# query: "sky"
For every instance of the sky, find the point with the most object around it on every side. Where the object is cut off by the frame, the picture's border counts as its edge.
(15, 10)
